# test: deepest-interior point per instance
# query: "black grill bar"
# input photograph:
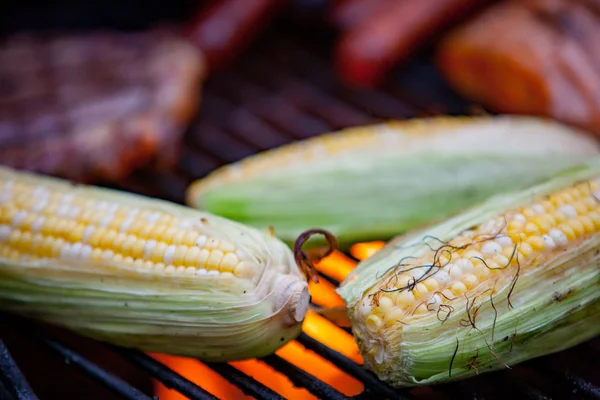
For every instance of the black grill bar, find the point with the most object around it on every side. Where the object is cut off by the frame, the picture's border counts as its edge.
(304, 379)
(350, 367)
(575, 383)
(247, 384)
(522, 389)
(95, 372)
(12, 383)
(115, 384)
(4, 393)
(165, 375)
(580, 385)
(531, 392)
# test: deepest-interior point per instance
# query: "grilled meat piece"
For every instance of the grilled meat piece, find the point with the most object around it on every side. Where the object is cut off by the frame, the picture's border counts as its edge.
(530, 57)
(96, 105)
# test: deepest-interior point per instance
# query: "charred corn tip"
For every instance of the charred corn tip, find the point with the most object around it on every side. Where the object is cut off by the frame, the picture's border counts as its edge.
(488, 276)
(122, 260)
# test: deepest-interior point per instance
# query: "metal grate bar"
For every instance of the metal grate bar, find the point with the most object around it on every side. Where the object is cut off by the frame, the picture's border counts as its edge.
(456, 390)
(576, 384)
(306, 96)
(304, 379)
(4, 393)
(517, 385)
(95, 372)
(530, 392)
(349, 366)
(294, 58)
(165, 375)
(247, 384)
(12, 383)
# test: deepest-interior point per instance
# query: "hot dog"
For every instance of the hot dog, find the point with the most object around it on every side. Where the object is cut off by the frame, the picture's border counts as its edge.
(367, 51)
(223, 28)
(345, 14)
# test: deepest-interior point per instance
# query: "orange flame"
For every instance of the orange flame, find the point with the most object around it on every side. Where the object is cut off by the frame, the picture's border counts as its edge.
(198, 373)
(324, 294)
(337, 266)
(362, 251)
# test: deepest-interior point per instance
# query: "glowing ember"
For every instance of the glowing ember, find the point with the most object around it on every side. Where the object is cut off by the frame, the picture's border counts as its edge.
(336, 266)
(198, 373)
(273, 379)
(323, 294)
(321, 368)
(330, 334)
(362, 251)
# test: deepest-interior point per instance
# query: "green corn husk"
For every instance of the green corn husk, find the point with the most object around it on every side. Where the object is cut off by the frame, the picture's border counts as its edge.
(554, 294)
(373, 182)
(219, 317)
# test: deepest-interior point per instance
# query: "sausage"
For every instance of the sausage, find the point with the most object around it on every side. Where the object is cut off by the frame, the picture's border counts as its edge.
(224, 28)
(345, 14)
(366, 52)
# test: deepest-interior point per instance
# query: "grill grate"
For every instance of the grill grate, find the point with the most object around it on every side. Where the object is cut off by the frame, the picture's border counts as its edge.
(285, 90)
(12, 383)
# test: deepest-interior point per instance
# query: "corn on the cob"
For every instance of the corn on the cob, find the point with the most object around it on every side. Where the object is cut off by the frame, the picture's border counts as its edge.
(145, 273)
(514, 278)
(373, 182)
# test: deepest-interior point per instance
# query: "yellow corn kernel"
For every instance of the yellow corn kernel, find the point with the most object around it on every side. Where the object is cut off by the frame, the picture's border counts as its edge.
(167, 235)
(190, 238)
(180, 253)
(458, 288)
(137, 250)
(588, 224)
(214, 259)
(531, 229)
(529, 213)
(544, 222)
(470, 281)
(394, 315)
(420, 290)
(128, 244)
(374, 323)
(385, 304)
(404, 298)
(229, 262)
(577, 227)
(536, 243)
(191, 256)
(203, 258)
(431, 284)
(158, 252)
(595, 217)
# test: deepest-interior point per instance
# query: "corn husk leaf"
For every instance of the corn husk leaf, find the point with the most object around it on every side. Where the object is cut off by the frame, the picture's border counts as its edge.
(555, 303)
(374, 182)
(212, 318)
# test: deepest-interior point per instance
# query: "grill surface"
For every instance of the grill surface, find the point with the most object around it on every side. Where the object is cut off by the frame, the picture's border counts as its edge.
(282, 90)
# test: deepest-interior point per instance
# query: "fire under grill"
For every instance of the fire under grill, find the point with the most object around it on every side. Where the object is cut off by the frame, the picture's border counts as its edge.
(283, 90)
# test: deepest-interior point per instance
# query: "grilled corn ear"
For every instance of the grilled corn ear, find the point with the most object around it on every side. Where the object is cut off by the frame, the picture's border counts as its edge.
(513, 278)
(145, 273)
(373, 182)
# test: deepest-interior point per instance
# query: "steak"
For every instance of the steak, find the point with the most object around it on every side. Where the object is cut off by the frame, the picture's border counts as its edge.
(96, 105)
